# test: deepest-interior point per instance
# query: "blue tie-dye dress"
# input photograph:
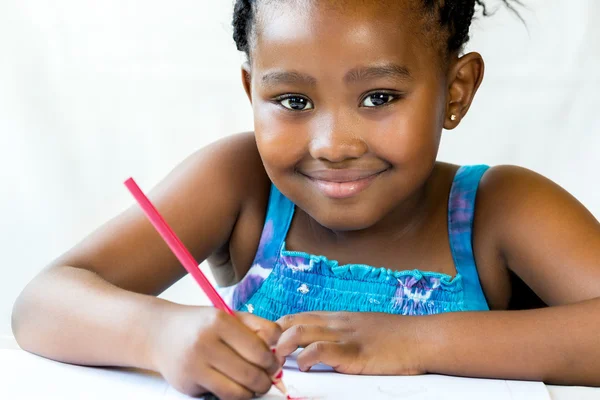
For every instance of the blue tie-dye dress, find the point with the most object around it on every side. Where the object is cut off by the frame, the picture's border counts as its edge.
(282, 282)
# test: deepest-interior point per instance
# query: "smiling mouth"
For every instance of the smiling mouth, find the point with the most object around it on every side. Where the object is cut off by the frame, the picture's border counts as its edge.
(341, 184)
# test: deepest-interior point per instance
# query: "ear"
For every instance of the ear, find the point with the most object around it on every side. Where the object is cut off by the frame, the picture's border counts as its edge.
(247, 80)
(464, 77)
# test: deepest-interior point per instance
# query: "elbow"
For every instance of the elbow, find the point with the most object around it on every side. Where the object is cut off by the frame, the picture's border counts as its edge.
(29, 312)
(22, 317)
(17, 320)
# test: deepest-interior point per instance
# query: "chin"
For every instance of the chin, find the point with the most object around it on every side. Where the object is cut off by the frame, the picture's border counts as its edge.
(342, 218)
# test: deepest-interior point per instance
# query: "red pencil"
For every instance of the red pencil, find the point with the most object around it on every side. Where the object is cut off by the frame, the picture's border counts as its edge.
(185, 257)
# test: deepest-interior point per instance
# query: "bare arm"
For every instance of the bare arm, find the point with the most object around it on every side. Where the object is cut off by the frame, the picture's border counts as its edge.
(73, 315)
(556, 345)
(94, 305)
(553, 243)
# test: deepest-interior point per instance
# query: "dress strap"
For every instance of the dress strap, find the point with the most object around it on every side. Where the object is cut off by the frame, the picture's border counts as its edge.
(280, 211)
(277, 223)
(461, 213)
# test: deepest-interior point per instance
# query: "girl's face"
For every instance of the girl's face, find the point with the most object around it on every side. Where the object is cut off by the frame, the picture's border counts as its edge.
(349, 103)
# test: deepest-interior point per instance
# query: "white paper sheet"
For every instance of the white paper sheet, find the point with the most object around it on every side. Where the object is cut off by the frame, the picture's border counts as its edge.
(25, 376)
(321, 383)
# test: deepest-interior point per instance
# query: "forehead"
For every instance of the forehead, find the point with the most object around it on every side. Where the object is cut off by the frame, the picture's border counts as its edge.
(339, 32)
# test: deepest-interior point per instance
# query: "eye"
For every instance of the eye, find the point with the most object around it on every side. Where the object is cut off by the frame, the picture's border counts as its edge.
(378, 99)
(295, 103)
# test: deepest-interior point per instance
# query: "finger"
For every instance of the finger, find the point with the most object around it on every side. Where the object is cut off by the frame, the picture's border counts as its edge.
(247, 344)
(307, 318)
(223, 387)
(280, 358)
(268, 331)
(229, 363)
(302, 336)
(328, 353)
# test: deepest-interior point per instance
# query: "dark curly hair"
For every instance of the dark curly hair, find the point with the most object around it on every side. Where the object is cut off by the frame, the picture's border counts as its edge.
(453, 16)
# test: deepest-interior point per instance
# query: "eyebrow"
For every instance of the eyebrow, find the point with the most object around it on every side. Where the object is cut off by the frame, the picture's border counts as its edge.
(288, 77)
(393, 71)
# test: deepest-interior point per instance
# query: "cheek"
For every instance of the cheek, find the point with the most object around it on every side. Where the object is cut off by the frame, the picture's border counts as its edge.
(412, 134)
(281, 141)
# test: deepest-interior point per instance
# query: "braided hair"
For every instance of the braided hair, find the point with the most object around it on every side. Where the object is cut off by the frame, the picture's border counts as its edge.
(454, 16)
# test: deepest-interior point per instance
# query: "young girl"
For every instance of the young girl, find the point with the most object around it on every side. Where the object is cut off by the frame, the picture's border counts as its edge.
(332, 228)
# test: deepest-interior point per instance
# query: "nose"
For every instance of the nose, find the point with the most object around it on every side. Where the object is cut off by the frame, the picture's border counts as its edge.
(336, 140)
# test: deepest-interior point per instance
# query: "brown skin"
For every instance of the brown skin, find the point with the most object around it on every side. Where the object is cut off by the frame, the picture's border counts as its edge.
(95, 305)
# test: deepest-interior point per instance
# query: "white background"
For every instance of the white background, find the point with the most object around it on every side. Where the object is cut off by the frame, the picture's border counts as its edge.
(92, 92)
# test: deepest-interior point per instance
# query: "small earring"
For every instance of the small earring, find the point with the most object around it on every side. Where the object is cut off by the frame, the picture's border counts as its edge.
(453, 117)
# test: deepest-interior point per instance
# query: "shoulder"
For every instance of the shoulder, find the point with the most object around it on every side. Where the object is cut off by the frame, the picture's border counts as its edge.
(240, 180)
(512, 180)
(235, 157)
(219, 195)
(531, 226)
(231, 168)
(228, 171)
(511, 199)
(510, 194)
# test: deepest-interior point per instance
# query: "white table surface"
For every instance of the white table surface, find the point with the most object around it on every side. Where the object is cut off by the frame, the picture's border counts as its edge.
(556, 392)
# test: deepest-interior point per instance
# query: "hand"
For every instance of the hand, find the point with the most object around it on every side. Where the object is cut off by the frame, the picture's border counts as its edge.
(353, 343)
(202, 349)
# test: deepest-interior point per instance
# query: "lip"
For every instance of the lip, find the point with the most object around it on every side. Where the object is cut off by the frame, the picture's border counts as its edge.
(342, 183)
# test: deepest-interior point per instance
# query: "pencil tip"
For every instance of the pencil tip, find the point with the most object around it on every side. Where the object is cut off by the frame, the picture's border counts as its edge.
(281, 387)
